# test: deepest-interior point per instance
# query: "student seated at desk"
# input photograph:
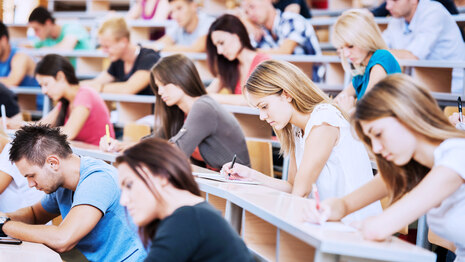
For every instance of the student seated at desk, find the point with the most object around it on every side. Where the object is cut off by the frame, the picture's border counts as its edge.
(151, 10)
(363, 53)
(163, 199)
(80, 111)
(15, 192)
(420, 162)
(189, 118)
(129, 71)
(189, 32)
(313, 132)
(231, 58)
(70, 36)
(82, 189)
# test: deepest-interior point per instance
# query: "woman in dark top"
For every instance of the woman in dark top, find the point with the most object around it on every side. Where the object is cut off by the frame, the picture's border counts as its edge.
(296, 6)
(189, 118)
(163, 199)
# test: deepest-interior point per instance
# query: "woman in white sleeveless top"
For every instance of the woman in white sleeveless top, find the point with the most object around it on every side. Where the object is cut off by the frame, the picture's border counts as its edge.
(314, 133)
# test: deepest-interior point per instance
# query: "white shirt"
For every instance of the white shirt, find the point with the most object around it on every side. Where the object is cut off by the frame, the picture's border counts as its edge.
(18, 194)
(181, 37)
(448, 219)
(348, 166)
(432, 35)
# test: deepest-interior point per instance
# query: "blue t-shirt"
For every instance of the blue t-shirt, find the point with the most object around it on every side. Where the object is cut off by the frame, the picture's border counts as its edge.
(112, 239)
(380, 57)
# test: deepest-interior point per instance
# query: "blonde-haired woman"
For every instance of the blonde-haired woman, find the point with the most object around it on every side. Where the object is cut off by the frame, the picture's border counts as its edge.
(420, 161)
(313, 132)
(363, 53)
(129, 71)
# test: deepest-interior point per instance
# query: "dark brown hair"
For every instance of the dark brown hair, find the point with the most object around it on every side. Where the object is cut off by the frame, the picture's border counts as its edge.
(227, 71)
(162, 159)
(401, 97)
(180, 71)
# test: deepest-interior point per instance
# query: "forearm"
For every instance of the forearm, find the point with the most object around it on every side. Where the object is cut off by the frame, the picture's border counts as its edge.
(118, 88)
(48, 235)
(268, 181)
(237, 100)
(403, 54)
(25, 215)
(9, 82)
(372, 191)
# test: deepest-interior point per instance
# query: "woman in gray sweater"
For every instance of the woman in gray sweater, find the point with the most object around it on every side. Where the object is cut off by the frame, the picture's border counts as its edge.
(189, 118)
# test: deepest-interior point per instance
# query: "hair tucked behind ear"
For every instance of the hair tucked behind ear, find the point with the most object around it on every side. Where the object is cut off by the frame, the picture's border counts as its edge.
(401, 97)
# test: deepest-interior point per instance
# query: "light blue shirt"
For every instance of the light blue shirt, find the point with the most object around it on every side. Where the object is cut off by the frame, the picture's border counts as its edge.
(432, 35)
(112, 239)
(181, 37)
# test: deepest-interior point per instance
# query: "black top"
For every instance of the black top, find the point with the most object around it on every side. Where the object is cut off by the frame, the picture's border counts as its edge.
(304, 10)
(9, 99)
(144, 61)
(197, 233)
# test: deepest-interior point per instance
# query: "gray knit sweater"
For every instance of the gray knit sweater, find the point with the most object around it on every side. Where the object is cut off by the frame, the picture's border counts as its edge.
(215, 131)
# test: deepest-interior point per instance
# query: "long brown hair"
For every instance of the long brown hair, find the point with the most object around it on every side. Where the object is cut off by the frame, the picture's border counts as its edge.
(162, 159)
(180, 71)
(401, 97)
(272, 77)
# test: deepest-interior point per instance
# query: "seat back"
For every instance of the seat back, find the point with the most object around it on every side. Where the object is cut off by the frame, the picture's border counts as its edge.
(261, 156)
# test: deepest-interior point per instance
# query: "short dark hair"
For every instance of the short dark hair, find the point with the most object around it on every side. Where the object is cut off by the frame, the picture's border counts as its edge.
(36, 142)
(41, 15)
(4, 30)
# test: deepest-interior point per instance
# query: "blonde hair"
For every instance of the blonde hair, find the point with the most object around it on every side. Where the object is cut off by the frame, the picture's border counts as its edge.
(401, 97)
(357, 27)
(116, 26)
(272, 77)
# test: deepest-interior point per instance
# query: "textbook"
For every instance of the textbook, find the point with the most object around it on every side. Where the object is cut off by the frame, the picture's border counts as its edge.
(222, 178)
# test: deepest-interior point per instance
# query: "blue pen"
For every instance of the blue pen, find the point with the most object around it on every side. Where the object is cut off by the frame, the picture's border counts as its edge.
(459, 104)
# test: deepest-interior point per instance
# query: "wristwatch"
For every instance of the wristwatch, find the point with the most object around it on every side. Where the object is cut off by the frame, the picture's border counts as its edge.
(3, 220)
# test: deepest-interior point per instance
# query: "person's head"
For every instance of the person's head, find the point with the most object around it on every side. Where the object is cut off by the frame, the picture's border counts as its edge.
(392, 119)
(402, 8)
(183, 11)
(226, 38)
(258, 11)
(4, 40)
(42, 21)
(39, 151)
(147, 172)
(170, 90)
(279, 89)
(114, 37)
(356, 35)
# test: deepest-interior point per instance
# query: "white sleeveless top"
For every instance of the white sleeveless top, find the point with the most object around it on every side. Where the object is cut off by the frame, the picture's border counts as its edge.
(18, 194)
(348, 166)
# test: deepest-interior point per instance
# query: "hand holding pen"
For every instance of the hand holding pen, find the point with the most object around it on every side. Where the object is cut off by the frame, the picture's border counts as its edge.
(237, 171)
(459, 105)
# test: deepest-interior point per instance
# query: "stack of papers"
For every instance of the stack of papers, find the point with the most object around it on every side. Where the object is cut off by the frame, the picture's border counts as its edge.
(222, 178)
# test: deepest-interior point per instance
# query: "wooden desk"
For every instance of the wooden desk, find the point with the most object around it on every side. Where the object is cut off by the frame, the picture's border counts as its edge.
(270, 222)
(26, 252)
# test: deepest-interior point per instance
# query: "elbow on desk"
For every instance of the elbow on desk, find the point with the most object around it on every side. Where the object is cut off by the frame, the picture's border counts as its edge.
(62, 244)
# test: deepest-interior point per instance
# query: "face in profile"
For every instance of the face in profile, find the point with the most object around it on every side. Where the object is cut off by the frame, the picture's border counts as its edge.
(254, 9)
(45, 178)
(136, 196)
(183, 11)
(42, 31)
(276, 110)
(391, 139)
(399, 8)
(227, 44)
(111, 46)
(51, 86)
(354, 54)
(171, 94)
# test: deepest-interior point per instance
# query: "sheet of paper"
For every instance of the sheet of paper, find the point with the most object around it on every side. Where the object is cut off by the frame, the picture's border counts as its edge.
(336, 226)
(222, 178)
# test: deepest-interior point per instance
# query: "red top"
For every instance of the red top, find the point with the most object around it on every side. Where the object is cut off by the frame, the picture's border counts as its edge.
(259, 57)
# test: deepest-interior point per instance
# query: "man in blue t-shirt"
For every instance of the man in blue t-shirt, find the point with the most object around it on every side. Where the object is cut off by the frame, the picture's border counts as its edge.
(83, 190)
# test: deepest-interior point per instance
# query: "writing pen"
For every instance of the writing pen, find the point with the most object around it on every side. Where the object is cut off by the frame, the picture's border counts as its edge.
(107, 130)
(316, 196)
(3, 111)
(459, 105)
(232, 163)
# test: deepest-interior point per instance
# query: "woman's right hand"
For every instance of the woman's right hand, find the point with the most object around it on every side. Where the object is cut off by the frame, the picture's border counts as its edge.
(454, 118)
(238, 172)
(108, 144)
(330, 209)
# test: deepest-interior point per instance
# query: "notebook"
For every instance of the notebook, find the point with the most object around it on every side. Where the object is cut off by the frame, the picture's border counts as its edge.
(222, 178)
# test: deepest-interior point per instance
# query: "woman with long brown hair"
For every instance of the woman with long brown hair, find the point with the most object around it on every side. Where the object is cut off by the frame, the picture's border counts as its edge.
(420, 161)
(163, 199)
(189, 118)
